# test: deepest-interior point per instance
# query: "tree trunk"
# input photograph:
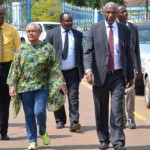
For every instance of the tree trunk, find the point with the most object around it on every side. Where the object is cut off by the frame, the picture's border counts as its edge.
(146, 9)
(101, 4)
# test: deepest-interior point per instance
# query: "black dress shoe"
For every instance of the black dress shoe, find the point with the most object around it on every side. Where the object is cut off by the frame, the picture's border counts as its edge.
(132, 124)
(60, 125)
(6, 137)
(104, 145)
(75, 127)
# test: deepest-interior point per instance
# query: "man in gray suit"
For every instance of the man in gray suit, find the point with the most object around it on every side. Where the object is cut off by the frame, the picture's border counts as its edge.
(130, 92)
(109, 66)
(71, 65)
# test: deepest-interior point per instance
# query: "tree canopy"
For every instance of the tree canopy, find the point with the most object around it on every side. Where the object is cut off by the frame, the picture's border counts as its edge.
(93, 3)
(46, 10)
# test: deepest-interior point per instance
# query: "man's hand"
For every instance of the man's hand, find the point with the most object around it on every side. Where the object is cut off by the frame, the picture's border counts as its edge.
(90, 77)
(12, 92)
(130, 83)
(63, 89)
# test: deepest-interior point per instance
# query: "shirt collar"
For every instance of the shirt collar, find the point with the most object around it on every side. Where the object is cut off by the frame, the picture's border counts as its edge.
(114, 24)
(63, 30)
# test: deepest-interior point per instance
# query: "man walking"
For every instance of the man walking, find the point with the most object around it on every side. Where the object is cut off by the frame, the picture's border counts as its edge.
(9, 41)
(68, 45)
(130, 92)
(108, 65)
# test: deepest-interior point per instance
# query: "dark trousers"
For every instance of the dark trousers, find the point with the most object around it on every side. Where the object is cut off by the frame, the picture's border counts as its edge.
(4, 97)
(72, 82)
(114, 84)
(0, 118)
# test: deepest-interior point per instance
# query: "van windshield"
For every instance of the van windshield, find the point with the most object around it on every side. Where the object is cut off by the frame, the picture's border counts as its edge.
(50, 26)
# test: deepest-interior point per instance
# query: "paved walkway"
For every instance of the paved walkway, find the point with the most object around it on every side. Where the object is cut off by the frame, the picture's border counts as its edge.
(61, 139)
(85, 139)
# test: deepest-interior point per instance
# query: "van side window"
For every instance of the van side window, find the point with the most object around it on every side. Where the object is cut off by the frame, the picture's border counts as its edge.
(49, 26)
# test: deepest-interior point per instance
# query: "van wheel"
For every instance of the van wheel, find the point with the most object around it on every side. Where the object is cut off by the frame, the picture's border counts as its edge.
(147, 92)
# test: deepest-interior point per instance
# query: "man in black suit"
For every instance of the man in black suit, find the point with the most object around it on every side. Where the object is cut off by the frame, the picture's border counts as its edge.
(108, 65)
(71, 61)
(130, 92)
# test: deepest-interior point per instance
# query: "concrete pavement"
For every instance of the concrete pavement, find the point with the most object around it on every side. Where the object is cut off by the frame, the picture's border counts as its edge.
(85, 139)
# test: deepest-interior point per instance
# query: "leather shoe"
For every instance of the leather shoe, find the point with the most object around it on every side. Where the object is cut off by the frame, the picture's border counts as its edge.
(60, 125)
(5, 137)
(104, 145)
(75, 127)
(132, 124)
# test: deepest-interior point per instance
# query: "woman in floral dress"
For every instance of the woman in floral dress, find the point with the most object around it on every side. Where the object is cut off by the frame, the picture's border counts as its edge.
(35, 79)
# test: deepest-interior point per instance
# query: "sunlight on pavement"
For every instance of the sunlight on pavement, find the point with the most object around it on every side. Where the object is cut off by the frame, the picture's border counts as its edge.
(137, 115)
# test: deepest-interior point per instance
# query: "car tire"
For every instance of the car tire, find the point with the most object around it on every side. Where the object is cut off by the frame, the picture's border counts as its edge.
(147, 92)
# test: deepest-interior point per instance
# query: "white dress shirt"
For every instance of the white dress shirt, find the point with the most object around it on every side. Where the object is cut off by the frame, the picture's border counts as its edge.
(69, 63)
(117, 53)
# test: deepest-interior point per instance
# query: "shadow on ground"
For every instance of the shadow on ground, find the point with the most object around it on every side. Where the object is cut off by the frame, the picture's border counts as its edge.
(143, 127)
(17, 125)
(79, 147)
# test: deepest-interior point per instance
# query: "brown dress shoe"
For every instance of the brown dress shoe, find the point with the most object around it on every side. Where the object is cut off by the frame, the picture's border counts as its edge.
(75, 127)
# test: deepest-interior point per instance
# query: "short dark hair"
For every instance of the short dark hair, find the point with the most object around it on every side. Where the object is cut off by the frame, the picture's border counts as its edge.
(62, 15)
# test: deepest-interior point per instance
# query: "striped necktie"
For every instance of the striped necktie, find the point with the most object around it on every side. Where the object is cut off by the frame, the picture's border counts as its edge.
(1, 44)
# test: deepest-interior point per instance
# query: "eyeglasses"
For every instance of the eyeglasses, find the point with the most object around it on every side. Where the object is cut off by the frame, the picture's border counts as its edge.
(32, 31)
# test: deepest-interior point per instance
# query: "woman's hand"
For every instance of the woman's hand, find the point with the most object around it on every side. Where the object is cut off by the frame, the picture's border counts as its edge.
(63, 89)
(12, 92)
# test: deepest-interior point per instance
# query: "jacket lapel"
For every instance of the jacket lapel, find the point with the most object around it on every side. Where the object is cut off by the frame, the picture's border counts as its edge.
(120, 34)
(75, 39)
(59, 38)
(58, 43)
(104, 34)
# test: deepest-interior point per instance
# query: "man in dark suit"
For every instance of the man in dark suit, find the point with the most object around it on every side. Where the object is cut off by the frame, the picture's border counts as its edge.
(108, 66)
(71, 61)
(130, 92)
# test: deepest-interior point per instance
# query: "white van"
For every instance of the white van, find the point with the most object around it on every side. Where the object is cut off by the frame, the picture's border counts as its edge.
(44, 25)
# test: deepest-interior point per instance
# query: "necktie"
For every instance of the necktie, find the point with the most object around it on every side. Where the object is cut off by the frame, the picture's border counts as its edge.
(65, 50)
(111, 49)
(1, 44)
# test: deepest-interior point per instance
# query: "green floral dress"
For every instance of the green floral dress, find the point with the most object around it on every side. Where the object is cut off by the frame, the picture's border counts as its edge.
(36, 67)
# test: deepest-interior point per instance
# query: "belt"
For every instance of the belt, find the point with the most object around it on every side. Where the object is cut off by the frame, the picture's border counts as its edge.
(113, 71)
(69, 70)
